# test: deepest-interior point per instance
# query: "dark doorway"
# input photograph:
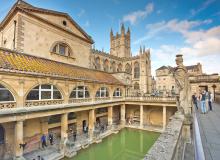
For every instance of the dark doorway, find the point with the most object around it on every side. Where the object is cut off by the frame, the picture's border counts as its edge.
(2, 135)
(84, 125)
(204, 88)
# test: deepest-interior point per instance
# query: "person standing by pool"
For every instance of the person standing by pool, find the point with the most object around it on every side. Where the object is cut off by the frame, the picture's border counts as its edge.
(210, 101)
(43, 141)
(194, 98)
(203, 102)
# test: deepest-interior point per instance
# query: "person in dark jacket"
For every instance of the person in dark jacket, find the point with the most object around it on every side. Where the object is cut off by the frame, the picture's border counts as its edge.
(194, 98)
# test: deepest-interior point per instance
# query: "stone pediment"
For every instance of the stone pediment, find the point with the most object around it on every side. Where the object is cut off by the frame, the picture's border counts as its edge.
(59, 19)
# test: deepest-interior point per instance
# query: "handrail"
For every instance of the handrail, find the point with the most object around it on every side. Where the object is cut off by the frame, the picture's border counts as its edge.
(198, 147)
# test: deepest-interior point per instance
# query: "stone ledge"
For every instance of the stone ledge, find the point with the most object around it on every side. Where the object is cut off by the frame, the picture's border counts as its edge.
(165, 146)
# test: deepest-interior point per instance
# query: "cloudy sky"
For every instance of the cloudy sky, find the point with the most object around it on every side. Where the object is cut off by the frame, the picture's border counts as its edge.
(189, 27)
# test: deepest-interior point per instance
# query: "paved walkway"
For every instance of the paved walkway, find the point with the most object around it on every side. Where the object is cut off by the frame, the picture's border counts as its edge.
(209, 125)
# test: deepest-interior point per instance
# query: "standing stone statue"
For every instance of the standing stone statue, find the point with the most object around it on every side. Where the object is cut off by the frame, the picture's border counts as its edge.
(183, 87)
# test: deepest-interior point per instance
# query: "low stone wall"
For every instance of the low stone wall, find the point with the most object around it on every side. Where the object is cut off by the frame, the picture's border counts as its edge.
(169, 146)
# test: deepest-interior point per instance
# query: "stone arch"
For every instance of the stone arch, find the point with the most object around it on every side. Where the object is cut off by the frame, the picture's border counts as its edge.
(106, 65)
(55, 44)
(155, 117)
(113, 66)
(10, 89)
(57, 86)
(128, 68)
(136, 70)
(119, 67)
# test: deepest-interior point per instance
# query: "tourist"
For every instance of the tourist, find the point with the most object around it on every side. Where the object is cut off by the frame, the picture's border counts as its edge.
(202, 101)
(194, 98)
(210, 101)
(51, 138)
(43, 141)
(38, 157)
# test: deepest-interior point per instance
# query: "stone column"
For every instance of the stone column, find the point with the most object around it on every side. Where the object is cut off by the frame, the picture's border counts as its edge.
(91, 122)
(141, 115)
(110, 115)
(44, 125)
(164, 117)
(122, 114)
(64, 127)
(18, 140)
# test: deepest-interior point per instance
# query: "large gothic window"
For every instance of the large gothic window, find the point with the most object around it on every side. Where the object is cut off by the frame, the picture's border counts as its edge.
(128, 68)
(136, 70)
(62, 49)
(119, 67)
(97, 63)
(117, 93)
(80, 92)
(106, 65)
(5, 94)
(44, 92)
(136, 86)
(102, 92)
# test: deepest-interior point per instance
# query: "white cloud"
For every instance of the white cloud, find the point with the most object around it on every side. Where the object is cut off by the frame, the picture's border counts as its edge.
(202, 7)
(87, 24)
(173, 25)
(133, 17)
(81, 13)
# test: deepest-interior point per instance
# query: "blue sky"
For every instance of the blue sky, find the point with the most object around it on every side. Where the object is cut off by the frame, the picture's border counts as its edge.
(190, 27)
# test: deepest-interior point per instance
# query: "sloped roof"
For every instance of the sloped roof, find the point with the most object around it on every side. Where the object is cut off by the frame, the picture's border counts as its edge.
(163, 67)
(14, 62)
(26, 7)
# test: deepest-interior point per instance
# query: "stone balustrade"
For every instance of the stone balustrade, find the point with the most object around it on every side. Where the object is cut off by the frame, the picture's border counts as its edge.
(79, 100)
(4, 105)
(31, 103)
(102, 98)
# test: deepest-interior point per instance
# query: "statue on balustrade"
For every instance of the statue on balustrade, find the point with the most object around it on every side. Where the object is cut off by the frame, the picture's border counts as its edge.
(183, 87)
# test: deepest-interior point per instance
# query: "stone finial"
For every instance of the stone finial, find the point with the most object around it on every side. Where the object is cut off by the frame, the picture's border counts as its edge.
(144, 49)
(122, 29)
(111, 32)
(128, 31)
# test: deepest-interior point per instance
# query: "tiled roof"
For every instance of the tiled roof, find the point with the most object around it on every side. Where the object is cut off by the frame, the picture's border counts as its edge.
(15, 62)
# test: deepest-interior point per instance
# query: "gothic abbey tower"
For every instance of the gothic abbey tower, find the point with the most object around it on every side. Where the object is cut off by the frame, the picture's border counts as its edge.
(120, 43)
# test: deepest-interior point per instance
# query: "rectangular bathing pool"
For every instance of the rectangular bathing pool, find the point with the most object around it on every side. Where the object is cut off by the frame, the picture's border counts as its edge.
(128, 144)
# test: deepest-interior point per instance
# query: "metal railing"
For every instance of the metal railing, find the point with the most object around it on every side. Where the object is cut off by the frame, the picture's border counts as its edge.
(198, 147)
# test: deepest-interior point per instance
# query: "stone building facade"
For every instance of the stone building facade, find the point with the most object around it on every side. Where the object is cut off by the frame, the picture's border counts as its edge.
(51, 80)
(165, 82)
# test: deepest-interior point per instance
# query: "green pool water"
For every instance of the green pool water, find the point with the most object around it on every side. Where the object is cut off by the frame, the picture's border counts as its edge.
(128, 144)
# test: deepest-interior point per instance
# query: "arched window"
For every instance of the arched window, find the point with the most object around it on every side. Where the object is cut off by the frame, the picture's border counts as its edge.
(5, 95)
(2, 135)
(128, 68)
(97, 63)
(136, 86)
(113, 66)
(102, 92)
(80, 92)
(119, 67)
(62, 49)
(106, 65)
(44, 92)
(117, 93)
(136, 70)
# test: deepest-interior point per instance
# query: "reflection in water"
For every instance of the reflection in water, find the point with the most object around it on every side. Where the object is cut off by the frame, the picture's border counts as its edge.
(127, 144)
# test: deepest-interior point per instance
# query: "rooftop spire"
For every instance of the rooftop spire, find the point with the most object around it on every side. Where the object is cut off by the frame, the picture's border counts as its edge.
(122, 29)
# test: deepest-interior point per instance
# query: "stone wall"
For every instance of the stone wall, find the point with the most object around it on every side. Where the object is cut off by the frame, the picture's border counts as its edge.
(169, 145)
(217, 97)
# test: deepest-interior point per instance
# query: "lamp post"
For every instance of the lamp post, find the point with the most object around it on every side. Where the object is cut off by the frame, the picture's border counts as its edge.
(214, 87)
